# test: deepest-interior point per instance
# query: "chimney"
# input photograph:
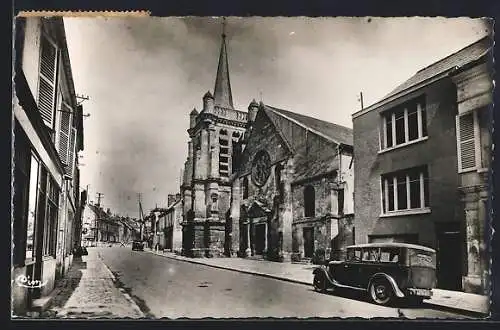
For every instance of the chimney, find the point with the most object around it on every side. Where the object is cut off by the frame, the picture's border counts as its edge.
(171, 200)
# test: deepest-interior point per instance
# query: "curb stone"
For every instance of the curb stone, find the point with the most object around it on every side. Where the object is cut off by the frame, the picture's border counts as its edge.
(464, 312)
(122, 291)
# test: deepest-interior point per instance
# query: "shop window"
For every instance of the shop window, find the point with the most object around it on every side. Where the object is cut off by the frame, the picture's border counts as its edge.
(21, 196)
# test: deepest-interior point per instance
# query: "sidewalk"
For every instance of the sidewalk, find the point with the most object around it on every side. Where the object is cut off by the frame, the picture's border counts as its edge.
(89, 291)
(461, 302)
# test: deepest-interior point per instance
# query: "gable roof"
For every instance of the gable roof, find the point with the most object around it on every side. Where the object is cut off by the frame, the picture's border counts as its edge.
(293, 127)
(333, 132)
(464, 56)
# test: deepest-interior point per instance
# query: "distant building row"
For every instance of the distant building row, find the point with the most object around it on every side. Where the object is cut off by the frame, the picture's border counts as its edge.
(101, 227)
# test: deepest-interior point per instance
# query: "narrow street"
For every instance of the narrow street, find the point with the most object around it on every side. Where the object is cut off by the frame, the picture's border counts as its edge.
(163, 287)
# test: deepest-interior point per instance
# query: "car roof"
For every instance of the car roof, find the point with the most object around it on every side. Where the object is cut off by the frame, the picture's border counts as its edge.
(392, 244)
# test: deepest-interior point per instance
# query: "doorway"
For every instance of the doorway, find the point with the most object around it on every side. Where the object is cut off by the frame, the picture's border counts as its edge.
(308, 234)
(260, 238)
(449, 257)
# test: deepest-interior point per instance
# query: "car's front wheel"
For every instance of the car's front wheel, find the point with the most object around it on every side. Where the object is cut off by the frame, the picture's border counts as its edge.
(319, 282)
(381, 292)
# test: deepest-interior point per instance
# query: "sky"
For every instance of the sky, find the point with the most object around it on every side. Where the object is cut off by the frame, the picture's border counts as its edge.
(143, 76)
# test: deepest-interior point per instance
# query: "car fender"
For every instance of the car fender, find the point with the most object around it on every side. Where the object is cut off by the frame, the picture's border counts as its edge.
(391, 281)
(323, 270)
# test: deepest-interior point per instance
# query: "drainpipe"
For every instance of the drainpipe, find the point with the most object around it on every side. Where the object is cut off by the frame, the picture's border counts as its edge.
(339, 176)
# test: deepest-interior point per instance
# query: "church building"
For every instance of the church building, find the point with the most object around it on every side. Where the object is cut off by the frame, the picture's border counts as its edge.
(266, 183)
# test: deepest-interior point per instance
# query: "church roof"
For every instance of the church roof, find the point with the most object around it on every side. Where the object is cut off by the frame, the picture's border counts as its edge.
(222, 91)
(309, 164)
(333, 132)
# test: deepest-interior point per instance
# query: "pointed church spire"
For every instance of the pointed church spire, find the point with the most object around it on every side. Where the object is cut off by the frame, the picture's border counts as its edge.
(222, 91)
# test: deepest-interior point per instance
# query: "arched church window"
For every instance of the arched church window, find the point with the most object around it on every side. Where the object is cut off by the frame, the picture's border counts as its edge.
(309, 201)
(223, 132)
(245, 187)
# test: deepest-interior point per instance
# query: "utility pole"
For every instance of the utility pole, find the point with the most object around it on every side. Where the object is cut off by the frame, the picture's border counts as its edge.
(99, 196)
(141, 220)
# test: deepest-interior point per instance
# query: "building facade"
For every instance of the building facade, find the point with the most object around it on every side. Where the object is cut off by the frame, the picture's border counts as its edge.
(292, 194)
(101, 226)
(48, 134)
(206, 186)
(410, 184)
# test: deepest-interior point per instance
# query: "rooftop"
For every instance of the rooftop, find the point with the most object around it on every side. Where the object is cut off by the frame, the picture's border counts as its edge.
(464, 56)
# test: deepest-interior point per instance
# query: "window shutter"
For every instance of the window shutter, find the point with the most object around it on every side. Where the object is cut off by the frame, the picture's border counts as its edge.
(47, 78)
(64, 137)
(466, 142)
(71, 153)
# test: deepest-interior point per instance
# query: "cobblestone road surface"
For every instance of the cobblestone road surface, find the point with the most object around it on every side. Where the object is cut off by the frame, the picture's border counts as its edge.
(89, 291)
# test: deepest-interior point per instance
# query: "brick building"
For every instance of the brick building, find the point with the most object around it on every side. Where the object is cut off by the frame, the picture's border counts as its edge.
(205, 187)
(48, 134)
(410, 184)
(293, 187)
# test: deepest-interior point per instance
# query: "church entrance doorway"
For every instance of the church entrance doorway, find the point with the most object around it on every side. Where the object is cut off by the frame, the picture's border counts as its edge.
(308, 234)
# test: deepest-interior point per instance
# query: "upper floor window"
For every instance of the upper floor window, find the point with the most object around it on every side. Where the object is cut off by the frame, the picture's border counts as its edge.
(309, 201)
(405, 190)
(473, 140)
(404, 124)
(47, 80)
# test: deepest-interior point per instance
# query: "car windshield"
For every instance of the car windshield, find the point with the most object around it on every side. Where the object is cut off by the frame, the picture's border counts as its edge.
(422, 258)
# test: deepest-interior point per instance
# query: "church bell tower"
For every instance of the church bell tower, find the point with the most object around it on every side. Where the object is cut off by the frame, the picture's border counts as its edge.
(206, 186)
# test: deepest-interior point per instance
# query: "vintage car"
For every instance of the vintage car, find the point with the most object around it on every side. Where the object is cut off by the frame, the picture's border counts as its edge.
(138, 245)
(386, 271)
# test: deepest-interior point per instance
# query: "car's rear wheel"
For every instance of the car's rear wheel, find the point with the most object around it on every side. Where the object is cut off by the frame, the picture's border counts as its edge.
(381, 292)
(319, 282)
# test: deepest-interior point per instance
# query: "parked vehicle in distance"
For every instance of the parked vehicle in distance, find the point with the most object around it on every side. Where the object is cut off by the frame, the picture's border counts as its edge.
(386, 271)
(137, 246)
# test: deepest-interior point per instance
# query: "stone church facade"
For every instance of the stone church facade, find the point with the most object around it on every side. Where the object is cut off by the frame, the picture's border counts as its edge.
(292, 193)
(266, 183)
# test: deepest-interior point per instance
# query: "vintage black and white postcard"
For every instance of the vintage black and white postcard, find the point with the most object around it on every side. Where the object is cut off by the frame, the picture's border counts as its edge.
(251, 167)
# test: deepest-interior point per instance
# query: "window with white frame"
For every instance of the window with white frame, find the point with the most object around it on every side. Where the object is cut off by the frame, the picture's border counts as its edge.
(468, 142)
(405, 190)
(404, 124)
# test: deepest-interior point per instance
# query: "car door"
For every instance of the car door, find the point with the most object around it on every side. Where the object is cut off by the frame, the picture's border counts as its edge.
(349, 270)
(370, 266)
